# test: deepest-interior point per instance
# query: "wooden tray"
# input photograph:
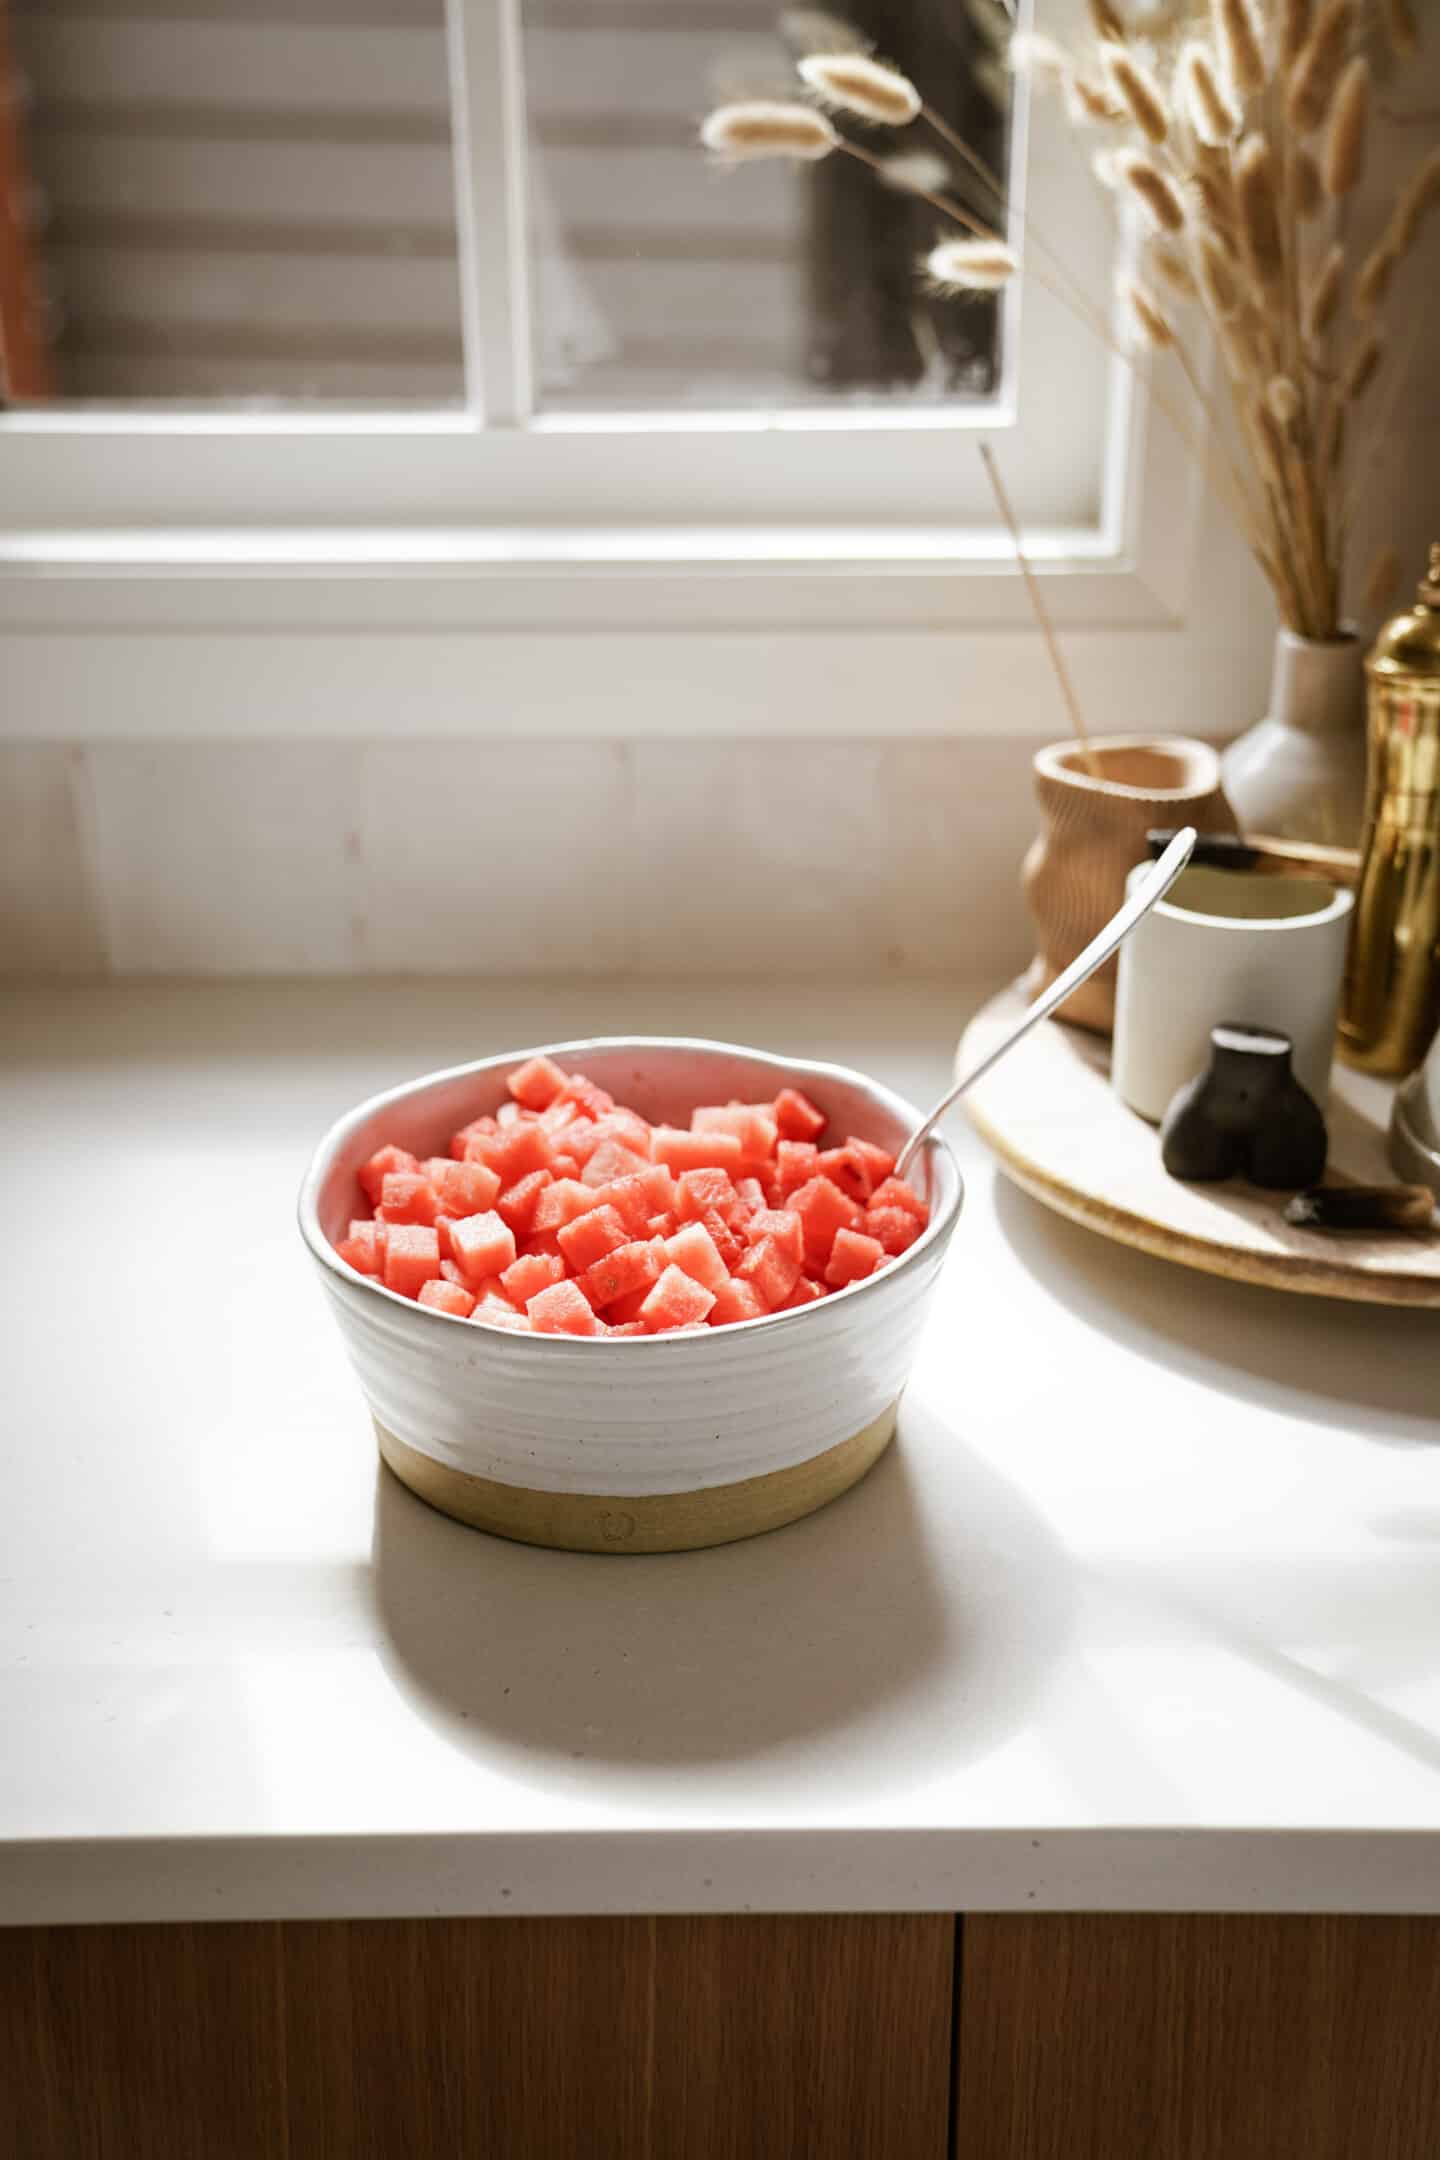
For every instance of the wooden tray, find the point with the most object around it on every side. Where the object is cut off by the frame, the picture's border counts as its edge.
(1062, 1132)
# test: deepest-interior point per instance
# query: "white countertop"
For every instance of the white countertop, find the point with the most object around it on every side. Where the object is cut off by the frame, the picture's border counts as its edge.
(1143, 1610)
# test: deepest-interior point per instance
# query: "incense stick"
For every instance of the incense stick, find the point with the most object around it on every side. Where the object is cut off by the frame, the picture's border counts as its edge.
(1042, 616)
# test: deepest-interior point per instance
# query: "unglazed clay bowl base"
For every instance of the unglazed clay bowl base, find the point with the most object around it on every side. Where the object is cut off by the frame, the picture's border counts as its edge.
(644, 1443)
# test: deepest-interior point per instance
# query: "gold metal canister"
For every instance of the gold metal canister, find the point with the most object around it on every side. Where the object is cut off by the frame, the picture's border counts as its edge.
(1390, 1005)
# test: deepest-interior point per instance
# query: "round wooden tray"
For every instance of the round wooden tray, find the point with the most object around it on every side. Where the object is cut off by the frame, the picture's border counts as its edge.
(1061, 1131)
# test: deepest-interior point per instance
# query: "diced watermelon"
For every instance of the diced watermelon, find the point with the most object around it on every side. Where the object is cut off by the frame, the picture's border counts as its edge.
(727, 1242)
(852, 1257)
(612, 1160)
(516, 1205)
(796, 1117)
(483, 1245)
(464, 1188)
(591, 1236)
(622, 1126)
(532, 1272)
(735, 1301)
(362, 1248)
(750, 1192)
(475, 1130)
(561, 1113)
(805, 1292)
(849, 1169)
(406, 1197)
(544, 1241)
(700, 1192)
(823, 1209)
(372, 1174)
(795, 1162)
(676, 1300)
(517, 1150)
(536, 1083)
(412, 1257)
(753, 1127)
(628, 1327)
(894, 1229)
(662, 1226)
(563, 1309)
(771, 1272)
(631, 1202)
(622, 1272)
(451, 1271)
(783, 1224)
(496, 1311)
(682, 1151)
(623, 1310)
(562, 1202)
(878, 1160)
(443, 1226)
(566, 1166)
(895, 1192)
(693, 1250)
(586, 1095)
(447, 1297)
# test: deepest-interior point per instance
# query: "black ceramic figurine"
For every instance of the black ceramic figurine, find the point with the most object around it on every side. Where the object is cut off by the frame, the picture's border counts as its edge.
(1245, 1116)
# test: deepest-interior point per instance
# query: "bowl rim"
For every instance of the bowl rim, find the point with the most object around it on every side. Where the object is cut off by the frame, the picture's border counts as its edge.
(936, 1232)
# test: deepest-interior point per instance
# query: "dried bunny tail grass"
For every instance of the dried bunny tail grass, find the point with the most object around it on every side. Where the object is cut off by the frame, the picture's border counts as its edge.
(1258, 197)
(1203, 99)
(1322, 302)
(854, 83)
(1315, 74)
(1345, 138)
(1294, 29)
(1173, 270)
(1363, 367)
(1156, 194)
(1222, 290)
(1240, 35)
(1382, 579)
(1089, 103)
(1373, 282)
(1149, 319)
(914, 172)
(1284, 401)
(1106, 21)
(1140, 94)
(1041, 58)
(1418, 198)
(969, 266)
(766, 128)
(1402, 32)
(1270, 443)
(1214, 197)
(1308, 185)
(1330, 451)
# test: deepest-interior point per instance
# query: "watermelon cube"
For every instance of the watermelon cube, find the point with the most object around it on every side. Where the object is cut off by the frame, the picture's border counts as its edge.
(562, 1309)
(771, 1272)
(412, 1257)
(878, 1160)
(676, 1301)
(464, 1188)
(622, 1310)
(621, 1126)
(518, 1150)
(796, 1117)
(612, 1159)
(823, 1209)
(631, 1202)
(475, 1130)
(406, 1197)
(447, 1297)
(566, 1167)
(734, 1302)
(451, 1271)
(536, 1083)
(621, 1273)
(516, 1205)
(750, 1192)
(561, 1202)
(753, 1126)
(852, 1257)
(894, 1229)
(628, 1327)
(727, 1242)
(805, 1292)
(586, 1096)
(483, 1245)
(783, 1224)
(895, 1192)
(699, 1192)
(373, 1174)
(545, 1241)
(443, 1224)
(361, 1249)
(849, 1169)
(496, 1311)
(795, 1162)
(680, 1151)
(591, 1236)
(531, 1273)
(693, 1250)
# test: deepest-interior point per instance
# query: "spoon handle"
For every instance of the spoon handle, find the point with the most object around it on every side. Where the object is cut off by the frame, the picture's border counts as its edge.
(1151, 888)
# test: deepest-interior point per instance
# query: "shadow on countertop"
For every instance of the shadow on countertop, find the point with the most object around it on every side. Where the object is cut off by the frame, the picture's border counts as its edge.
(867, 1649)
(1369, 1369)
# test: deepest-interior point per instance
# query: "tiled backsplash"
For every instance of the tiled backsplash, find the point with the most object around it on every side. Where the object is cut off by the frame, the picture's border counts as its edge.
(503, 858)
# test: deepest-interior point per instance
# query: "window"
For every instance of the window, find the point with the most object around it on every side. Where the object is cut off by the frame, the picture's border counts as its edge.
(410, 299)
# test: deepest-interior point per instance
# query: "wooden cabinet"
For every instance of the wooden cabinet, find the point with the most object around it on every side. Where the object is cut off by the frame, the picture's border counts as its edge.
(1092, 2037)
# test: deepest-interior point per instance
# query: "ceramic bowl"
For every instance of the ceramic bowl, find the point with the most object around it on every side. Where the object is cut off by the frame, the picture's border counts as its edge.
(631, 1444)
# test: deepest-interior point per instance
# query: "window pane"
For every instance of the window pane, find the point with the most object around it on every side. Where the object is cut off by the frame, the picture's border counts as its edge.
(660, 281)
(241, 200)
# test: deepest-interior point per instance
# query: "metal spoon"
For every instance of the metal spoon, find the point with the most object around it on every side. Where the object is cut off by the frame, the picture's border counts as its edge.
(1150, 889)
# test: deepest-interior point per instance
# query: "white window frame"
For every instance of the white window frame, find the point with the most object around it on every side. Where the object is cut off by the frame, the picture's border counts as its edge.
(545, 604)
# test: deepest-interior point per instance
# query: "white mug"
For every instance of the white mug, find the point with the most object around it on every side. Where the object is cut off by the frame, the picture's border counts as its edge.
(1227, 946)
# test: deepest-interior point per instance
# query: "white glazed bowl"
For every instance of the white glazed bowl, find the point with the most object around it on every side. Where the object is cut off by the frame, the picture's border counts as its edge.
(631, 1443)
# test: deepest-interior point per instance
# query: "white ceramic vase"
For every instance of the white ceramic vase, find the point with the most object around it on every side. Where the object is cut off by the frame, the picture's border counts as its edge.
(1300, 772)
